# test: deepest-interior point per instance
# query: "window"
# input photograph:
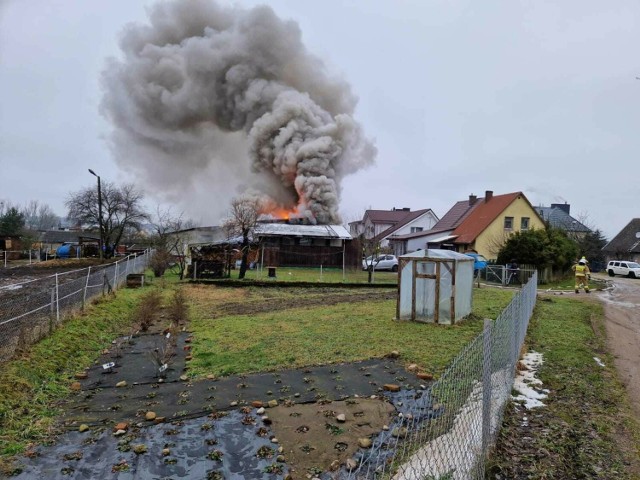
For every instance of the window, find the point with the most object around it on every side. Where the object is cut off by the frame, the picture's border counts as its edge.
(416, 229)
(524, 223)
(508, 223)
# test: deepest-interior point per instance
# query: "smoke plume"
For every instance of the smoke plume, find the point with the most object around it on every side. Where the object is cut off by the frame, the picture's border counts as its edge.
(207, 96)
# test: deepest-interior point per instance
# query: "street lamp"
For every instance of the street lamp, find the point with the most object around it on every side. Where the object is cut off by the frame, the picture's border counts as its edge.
(99, 211)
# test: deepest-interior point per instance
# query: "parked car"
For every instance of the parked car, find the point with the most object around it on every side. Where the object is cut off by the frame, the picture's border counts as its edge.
(623, 267)
(382, 262)
(479, 262)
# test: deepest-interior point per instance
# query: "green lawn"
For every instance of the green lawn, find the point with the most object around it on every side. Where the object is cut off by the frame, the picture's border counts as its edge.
(292, 337)
(328, 275)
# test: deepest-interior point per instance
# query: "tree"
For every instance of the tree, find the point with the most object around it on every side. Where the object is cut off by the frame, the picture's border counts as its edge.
(591, 244)
(242, 221)
(11, 221)
(39, 216)
(121, 211)
(169, 240)
(541, 248)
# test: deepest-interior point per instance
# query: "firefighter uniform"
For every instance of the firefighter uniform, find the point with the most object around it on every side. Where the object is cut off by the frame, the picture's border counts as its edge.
(582, 275)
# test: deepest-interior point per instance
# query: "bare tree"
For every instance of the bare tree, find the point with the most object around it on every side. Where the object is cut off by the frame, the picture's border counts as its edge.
(170, 241)
(39, 216)
(121, 211)
(242, 221)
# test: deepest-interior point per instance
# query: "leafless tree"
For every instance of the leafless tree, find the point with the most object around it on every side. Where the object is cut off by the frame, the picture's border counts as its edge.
(170, 240)
(39, 216)
(121, 211)
(242, 221)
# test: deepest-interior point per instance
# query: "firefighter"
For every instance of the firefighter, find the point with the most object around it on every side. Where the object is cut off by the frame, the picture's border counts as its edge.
(583, 275)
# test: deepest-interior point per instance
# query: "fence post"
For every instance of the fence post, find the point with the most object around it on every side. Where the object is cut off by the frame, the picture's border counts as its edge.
(52, 310)
(57, 301)
(486, 386)
(86, 286)
(115, 278)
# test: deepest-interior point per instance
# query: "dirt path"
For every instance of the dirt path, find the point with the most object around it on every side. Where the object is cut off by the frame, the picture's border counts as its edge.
(622, 310)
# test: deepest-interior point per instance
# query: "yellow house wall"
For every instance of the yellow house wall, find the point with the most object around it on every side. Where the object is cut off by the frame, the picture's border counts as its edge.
(495, 233)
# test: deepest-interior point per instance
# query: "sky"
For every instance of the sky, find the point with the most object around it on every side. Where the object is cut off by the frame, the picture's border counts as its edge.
(458, 96)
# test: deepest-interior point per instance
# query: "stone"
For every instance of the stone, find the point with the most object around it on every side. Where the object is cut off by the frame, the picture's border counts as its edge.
(188, 358)
(211, 377)
(81, 375)
(233, 404)
(266, 420)
(188, 340)
(121, 426)
(412, 367)
(391, 387)
(351, 464)
(424, 376)
(159, 420)
(150, 416)
(83, 428)
(280, 458)
(274, 440)
(272, 403)
(256, 404)
(280, 449)
(119, 433)
(76, 387)
(161, 380)
(385, 427)
(393, 354)
(297, 395)
(139, 449)
(399, 432)
(364, 442)
(184, 378)
(335, 465)
(166, 452)
(260, 411)
(121, 384)
(105, 351)
(341, 418)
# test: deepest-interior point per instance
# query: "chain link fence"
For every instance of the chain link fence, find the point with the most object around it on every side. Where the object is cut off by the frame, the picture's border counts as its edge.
(31, 310)
(446, 431)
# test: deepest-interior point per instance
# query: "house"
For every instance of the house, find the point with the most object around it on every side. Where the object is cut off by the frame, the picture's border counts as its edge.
(381, 225)
(626, 244)
(558, 216)
(477, 224)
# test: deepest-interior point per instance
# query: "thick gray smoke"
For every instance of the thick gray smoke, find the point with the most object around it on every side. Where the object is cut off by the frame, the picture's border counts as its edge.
(205, 94)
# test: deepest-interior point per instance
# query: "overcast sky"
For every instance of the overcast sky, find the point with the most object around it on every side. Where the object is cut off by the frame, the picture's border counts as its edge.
(459, 96)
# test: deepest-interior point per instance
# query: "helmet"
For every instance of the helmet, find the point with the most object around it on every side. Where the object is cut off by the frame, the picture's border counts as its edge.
(582, 261)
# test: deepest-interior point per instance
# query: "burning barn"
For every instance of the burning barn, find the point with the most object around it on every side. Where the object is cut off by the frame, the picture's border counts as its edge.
(276, 244)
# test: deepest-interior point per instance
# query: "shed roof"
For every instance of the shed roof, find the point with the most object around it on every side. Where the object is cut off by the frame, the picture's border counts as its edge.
(63, 236)
(438, 254)
(292, 230)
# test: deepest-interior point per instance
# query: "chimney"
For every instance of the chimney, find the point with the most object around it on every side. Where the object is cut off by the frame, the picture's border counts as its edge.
(472, 199)
(565, 207)
(488, 195)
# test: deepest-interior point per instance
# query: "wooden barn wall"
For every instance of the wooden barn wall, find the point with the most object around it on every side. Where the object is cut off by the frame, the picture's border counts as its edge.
(311, 256)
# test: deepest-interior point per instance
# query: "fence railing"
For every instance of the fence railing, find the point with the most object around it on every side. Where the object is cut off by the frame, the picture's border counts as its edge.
(446, 431)
(31, 310)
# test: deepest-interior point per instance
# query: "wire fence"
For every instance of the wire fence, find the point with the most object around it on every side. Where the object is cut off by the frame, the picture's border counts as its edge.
(446, 431)
(31, 310)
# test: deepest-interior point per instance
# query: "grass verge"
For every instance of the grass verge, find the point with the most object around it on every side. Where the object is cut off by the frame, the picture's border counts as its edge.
(586, 429)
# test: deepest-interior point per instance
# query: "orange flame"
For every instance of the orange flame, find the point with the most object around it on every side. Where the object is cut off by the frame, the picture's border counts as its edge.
(281, 213)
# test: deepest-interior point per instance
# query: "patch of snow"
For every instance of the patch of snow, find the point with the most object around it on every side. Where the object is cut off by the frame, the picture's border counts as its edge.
(529, 395)
(599, 362)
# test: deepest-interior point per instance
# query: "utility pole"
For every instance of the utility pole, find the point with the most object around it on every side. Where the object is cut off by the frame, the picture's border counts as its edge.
(99, 214)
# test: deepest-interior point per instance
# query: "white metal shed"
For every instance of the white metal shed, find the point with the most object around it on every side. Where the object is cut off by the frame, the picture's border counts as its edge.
(434, 286)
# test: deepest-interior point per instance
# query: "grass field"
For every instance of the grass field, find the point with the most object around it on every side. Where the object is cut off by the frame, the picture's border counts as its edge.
(324, 275)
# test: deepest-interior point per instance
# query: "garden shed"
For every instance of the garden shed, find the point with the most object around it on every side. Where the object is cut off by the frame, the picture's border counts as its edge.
(434, 286)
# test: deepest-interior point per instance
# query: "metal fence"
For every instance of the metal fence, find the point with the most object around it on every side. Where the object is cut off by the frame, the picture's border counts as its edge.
(31, 310)
(505, 276)
(446, 431)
